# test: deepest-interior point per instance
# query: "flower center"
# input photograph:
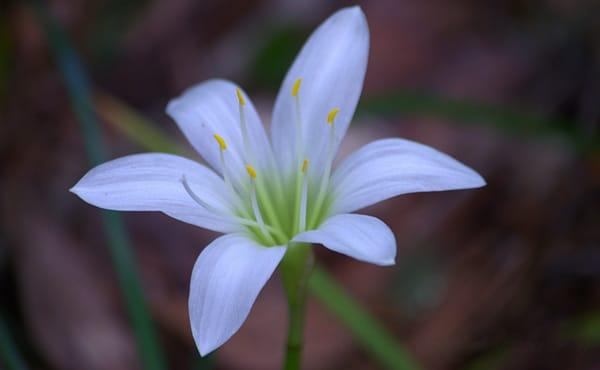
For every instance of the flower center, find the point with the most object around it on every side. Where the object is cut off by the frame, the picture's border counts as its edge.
(274, 207)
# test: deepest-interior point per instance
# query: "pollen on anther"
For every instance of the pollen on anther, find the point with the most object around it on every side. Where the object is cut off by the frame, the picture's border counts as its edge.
(331, 115)
(304, 166)
(296, 87)
(221, 141)
(240, 96)
(251, 171)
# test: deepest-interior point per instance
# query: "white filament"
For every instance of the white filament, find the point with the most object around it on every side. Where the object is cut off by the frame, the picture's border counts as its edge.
(303, 203)
(257, 214)
(299, 135)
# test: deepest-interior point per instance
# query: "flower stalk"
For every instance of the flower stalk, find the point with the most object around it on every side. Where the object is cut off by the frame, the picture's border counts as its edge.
(296, 267)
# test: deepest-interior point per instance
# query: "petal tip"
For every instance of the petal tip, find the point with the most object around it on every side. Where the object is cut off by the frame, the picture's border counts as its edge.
(76, 189)
(205, 350)
(471, 178)
(474, 179)
(355, 9)
(205, 342)
(172, 107)
(483, 182)
(478, 180)
(390, 262)
(353, 12)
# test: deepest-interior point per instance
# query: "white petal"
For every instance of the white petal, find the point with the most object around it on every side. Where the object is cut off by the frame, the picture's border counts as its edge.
(226, 280)
(362, 237)
(391, 167)
(152, 182)
(212, 107)
(332, 66)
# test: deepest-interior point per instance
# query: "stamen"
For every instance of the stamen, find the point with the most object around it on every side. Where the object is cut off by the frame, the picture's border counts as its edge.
(299, 147)
(256, 209)
(330, 146)
(254, 202)
(223, 147)
(299, 139)
(296, 87)
(240, 96)
(244, 129)
(327, 171)
(304, 166)
(251, 171)
(303, 198)
(240, 220)
(221, 141)
(331, 115)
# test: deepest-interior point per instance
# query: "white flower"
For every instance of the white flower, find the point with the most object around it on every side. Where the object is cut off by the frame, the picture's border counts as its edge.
(264, 194)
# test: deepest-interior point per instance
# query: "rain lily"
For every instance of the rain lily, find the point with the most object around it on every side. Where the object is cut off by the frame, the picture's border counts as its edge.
(266, 194)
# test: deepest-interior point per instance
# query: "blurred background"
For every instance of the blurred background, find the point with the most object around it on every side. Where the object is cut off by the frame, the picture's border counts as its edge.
(503, 277)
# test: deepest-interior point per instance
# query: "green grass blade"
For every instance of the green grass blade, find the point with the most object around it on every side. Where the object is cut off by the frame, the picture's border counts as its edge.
(133, 125)
(366, 329)
(9, 355)
(585, 329)
(77, 85)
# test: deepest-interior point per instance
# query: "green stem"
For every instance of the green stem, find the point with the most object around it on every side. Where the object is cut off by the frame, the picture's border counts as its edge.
(293, 353)
(295, 271)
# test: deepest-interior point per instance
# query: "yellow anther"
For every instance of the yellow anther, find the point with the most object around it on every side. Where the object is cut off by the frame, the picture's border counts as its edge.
(331, 115)
(304, 166)
(240, 96)
(251, 171)
(221, 141)
(296, 87)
